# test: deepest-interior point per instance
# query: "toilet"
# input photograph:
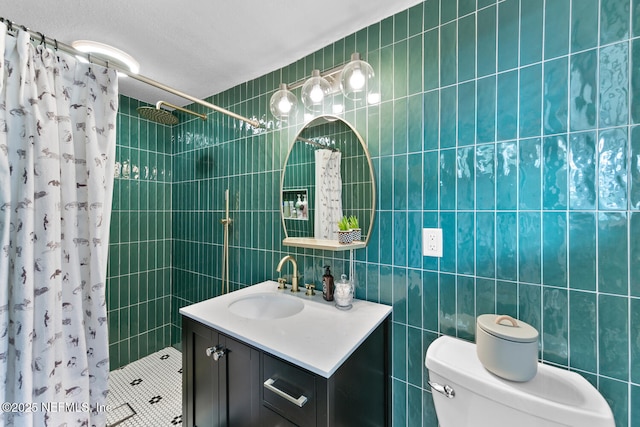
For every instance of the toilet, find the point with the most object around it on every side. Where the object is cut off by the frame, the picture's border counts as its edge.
(466, 394)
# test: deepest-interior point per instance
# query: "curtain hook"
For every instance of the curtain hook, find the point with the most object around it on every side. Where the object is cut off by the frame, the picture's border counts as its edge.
(42, 39)
(55, 41)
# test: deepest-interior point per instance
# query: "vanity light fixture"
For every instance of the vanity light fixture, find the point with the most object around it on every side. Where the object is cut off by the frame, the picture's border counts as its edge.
(108, 53)
(355, 80)
(283, 103)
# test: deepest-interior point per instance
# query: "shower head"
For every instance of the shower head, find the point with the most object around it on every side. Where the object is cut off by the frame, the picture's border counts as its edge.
(163, 116)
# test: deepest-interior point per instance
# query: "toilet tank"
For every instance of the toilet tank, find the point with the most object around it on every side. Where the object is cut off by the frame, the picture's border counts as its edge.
(554, 397)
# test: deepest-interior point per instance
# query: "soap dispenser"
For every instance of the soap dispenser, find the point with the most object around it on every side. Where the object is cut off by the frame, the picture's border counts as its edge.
(344, 293)
(327, 284)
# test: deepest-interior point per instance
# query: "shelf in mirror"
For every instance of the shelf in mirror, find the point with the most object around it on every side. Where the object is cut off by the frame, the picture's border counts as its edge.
(322, 244)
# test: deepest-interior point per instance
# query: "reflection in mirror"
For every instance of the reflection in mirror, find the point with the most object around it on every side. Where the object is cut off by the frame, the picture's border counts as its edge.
(330, 164)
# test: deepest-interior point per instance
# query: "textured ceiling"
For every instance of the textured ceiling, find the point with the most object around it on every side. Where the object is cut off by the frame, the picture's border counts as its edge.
(201, 47)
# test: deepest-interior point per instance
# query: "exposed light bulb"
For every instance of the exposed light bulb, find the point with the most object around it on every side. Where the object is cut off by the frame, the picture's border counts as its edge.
(373, 98)
(284, 106)
(357, 80)
(316, 94)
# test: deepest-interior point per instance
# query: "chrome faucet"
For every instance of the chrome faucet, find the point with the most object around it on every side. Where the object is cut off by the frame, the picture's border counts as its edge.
(294, 279)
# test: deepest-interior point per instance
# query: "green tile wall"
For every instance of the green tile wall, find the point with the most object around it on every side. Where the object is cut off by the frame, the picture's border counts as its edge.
(139, 269)
(511, 125)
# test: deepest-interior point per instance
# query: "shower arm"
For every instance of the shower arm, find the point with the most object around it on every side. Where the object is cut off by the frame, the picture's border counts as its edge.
(184, 110)
(39, 37)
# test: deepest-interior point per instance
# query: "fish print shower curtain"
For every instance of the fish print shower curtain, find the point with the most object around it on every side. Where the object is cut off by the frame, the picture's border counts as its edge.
(57, 145)
(328, 194)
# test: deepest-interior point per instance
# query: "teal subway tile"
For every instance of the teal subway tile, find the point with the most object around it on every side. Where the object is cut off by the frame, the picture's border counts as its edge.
(465, 308)
(372, 283)
(448, 179)
(530, 304)
(485, 296)
(465, 162)
(584, 24)
(582, 171)
(414, 298)
(386, 177)
(448, 53)
(466, 6)
(431, 57)
(400, 238)
(582, 250)
(466, 113)
(555, 187)
(557, 19)
(614, 20)
(386, 237)
(400, 179)
(448, 119)
(447, 311)
(506, 176)
(554, 248)
(616, 393)
(414, 239)
(530, 247)
(634, 255)
(485, 244)
(583, 82)
(431, 120)
(400, 71)
(414, 118)
(399, 364)
(486, 41)
(612, 169)
(448, 225)
(485, 176)
(634, 339)
(635, 79)
(373, 130)
(399, 280)
(530, 116)
(467, 48)
(486, 110)
(431, 14)
(530, 177)
(415, 357)
(612, 253)
(507, 298)
(555, 342)
(414, 404)
(415, 19)
(635, 389)
(507, 103)
(448, 11)
(400, 25)
(114, 356)
(556, 96)
(508, 32)
(400, 126)
(613, 336)
(386, 31)
(414, 65)
(429, 417)
(582, 331)
(506, 245)
(386, 72)
(386, 128)
(465, 243)
(531, 38)
(430, 181)
(485, 3)
(614, 84)
(430, 300)
(398, 402)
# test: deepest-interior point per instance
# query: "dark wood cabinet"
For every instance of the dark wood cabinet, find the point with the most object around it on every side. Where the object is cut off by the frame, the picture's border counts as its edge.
(249, 387)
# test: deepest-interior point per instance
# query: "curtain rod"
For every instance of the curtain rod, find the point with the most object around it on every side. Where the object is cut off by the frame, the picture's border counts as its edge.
(316, 144)
(38, 36)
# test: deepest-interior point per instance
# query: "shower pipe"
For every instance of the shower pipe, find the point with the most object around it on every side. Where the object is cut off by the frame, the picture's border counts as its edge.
(40, 37)
(226, 222)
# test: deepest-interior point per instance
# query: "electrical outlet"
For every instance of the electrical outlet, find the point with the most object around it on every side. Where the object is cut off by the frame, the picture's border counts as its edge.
(432, 242)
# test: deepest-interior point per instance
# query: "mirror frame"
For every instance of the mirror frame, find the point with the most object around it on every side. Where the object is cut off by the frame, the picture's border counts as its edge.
(311, 242)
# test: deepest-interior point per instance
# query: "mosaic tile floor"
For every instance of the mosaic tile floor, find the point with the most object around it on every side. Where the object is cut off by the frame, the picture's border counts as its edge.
(147, 392)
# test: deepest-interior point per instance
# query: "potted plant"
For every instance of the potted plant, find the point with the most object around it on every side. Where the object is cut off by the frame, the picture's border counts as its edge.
(355, 228)
(344, 231)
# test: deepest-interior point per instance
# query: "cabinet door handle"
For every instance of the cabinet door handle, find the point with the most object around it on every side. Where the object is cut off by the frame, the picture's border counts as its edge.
(217, 352)
(300, 401)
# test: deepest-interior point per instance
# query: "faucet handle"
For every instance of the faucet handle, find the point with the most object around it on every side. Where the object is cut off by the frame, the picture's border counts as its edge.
(310, 289)
(282, 283)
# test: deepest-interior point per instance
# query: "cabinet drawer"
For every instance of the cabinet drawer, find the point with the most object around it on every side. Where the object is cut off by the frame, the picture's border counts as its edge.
(289, 391)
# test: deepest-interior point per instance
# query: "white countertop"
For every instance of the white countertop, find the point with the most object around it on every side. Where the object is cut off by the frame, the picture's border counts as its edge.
(318, 338)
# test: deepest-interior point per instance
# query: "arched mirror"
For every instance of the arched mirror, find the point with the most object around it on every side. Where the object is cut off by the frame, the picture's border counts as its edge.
(327, 175)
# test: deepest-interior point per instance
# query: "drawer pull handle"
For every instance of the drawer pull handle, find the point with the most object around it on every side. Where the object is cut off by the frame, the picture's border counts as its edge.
(300, 401)
(216, 352)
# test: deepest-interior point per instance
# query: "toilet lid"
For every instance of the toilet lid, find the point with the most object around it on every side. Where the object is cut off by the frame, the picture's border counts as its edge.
(508, 328)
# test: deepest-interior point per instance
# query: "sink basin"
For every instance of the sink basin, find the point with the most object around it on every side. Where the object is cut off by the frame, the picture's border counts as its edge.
(266, 306)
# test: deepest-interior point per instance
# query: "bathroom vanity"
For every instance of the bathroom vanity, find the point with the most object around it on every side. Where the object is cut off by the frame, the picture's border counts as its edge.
(246, 365)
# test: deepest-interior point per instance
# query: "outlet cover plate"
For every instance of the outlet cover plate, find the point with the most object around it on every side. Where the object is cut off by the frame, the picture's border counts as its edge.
(432, 242)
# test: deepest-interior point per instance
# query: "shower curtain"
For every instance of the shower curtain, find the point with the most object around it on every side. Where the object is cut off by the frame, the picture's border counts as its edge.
(57, 148)
(328, 194)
